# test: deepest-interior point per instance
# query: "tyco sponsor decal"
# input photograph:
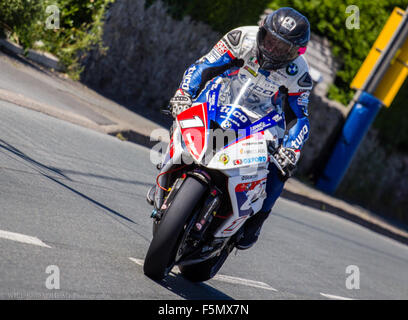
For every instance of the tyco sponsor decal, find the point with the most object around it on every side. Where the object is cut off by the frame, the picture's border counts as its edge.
(187, 78)
(300, 138)
(236, 113)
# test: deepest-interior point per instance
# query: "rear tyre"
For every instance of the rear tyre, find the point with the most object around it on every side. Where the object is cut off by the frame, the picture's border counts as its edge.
(205, 270)
(162, 250)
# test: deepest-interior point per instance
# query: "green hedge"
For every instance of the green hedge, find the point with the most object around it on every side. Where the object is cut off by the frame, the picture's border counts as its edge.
(80, 27)
(221, 15)
(328, 19)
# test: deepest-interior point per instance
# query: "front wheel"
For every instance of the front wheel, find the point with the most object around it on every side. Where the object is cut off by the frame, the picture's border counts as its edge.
(205, 270)
(162, 250)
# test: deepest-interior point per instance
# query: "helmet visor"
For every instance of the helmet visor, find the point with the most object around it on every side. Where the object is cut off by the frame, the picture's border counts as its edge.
(276, 48)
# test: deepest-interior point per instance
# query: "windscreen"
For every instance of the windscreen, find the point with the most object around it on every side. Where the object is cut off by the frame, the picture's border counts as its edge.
(239, 106)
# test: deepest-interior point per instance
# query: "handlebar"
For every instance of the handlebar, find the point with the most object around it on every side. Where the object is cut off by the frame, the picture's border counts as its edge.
(166, 111)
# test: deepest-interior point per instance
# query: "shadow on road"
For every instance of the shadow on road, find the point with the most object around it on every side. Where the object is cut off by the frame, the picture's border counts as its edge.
(4, 145)
(41, 167)
(190, 290)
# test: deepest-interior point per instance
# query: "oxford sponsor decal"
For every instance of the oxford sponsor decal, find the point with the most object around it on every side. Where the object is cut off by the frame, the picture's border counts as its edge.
(250, 160)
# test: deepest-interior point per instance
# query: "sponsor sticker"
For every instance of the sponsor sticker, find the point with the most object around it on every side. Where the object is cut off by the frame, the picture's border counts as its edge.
(289, 23)
(243, 178)
(292, 69)
(305, 80)
(300, 138)
(250, 160)
(187, 78)
(221, 47)
(224, 159)
(251, 71)
(226, 125)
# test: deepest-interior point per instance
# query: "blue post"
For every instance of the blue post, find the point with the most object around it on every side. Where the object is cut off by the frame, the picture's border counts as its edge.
(359, 120)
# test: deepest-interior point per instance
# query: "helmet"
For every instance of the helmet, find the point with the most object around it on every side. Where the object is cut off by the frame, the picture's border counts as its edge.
(282, 37)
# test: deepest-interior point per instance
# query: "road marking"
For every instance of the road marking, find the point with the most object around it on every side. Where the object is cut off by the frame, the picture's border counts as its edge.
(22, 238)
(245, 282)
(137, 261)
(223, 278)
(330, 296)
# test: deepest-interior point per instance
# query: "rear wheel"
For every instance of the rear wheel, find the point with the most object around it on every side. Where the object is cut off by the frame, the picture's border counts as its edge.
(162, 250)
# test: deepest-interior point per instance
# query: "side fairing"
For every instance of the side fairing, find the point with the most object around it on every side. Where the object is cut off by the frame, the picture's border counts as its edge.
(247, 193)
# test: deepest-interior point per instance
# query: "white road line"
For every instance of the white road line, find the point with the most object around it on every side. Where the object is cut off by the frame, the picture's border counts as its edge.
(223, 278)
(330, 296)
(245, 282)
(22, 238)
(137, 261)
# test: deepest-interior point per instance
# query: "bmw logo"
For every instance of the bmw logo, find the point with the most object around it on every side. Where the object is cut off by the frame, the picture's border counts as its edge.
(292, 69)
(226, 125)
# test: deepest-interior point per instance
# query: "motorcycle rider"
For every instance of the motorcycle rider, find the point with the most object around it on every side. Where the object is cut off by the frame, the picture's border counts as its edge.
(272, 55)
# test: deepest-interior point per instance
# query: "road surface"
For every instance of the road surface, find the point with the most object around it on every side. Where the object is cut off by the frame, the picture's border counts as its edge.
(72, 203)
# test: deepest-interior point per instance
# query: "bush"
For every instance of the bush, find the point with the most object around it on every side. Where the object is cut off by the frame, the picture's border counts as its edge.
(80, 27)
(221, 15)
(327, 18)
(17, 18)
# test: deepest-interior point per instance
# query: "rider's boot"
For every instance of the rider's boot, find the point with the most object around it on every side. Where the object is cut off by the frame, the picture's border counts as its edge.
(252, 229)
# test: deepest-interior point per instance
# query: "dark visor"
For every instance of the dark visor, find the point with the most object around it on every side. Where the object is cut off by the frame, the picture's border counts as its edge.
(277, 48)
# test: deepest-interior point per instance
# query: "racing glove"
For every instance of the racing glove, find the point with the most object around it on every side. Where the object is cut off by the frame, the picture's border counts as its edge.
(287, 159)
(180, 102)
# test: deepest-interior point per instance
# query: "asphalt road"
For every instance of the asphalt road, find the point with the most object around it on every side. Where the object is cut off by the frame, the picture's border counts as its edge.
(80, 196)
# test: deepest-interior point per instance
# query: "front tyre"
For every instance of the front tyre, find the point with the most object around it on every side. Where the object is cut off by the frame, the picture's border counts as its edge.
(205, 270)
(162, 250)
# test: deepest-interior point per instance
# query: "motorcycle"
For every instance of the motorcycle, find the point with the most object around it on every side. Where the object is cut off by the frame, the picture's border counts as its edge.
(212, 179)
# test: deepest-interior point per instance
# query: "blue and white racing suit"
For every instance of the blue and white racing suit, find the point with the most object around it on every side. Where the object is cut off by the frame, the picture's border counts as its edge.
(240, 43)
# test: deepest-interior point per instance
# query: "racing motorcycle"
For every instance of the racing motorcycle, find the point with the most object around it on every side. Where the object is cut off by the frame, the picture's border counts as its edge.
(209, 186)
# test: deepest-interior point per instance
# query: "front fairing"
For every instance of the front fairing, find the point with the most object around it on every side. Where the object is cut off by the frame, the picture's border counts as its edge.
(228, 136)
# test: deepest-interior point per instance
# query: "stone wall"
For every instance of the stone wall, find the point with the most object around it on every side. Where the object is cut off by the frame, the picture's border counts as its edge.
(377, 179)
(147, 56)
